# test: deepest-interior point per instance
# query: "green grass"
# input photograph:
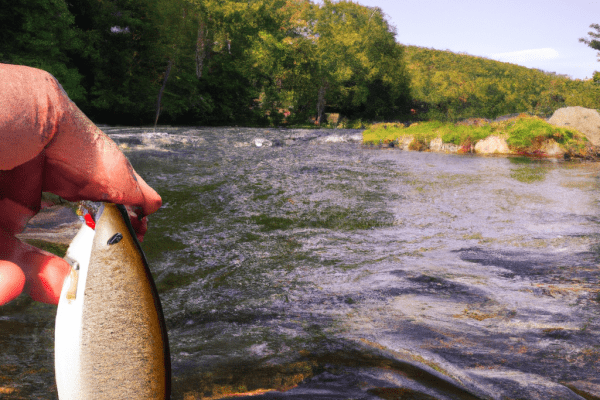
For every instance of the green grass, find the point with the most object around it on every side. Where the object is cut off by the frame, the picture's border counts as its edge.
(524, 134)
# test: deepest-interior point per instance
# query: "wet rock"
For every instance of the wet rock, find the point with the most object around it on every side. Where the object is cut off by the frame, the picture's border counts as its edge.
(126, 140)
(344, 138)
(492, 145)
(260, 142)
(438, 145)
(405, 142)
(585, 120)
(552, 149)
(155, 137)
(587, 390)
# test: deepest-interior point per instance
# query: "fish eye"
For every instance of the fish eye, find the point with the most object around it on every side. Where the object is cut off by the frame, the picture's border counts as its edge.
(116, 238)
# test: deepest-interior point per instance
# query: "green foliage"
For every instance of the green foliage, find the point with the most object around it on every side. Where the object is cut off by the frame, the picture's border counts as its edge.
(450, 87)
(593, 41)
(523, 134)
(41, 34)
(462, 134)
(257, 62)
(360, 62)
(528, 131)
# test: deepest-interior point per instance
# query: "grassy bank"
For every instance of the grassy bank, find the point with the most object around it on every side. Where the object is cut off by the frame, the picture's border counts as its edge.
(524, 134)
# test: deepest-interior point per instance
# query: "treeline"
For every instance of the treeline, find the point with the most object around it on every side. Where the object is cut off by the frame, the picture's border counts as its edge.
(262, 62)
(208, 62)
(449, 87)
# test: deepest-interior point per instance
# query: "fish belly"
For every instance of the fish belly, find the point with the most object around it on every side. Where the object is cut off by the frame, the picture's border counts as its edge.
(123, 347)
(67, 333)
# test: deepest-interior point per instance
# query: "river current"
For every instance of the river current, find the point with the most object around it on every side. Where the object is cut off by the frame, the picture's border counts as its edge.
(302, 262)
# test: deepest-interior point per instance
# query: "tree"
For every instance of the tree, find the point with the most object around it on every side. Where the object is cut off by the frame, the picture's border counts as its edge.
(361, 71)
(122, 72)
(593, 41)
(42, 34)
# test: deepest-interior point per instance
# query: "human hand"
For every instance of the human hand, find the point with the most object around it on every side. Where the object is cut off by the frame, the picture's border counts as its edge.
(48, 144)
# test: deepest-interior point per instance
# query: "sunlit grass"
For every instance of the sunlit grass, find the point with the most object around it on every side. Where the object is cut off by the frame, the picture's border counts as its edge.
(524, 134)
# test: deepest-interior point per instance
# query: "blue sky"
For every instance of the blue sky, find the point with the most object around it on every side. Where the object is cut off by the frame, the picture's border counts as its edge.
(541, 34)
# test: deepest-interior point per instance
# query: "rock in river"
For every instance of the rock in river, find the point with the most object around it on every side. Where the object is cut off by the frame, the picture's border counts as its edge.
(259, 142)
(585, 120)
(492, 145)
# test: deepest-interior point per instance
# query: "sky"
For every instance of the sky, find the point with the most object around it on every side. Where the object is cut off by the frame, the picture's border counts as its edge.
(532, 33)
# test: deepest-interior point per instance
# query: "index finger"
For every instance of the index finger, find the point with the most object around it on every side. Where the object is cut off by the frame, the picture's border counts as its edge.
(82, 162)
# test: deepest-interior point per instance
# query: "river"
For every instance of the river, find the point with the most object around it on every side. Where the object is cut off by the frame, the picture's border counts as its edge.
(302, 261)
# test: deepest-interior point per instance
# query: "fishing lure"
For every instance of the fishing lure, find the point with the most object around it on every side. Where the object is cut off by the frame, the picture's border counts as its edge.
(110, 335)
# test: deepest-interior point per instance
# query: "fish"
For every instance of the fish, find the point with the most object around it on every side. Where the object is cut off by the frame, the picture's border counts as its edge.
(110, 338)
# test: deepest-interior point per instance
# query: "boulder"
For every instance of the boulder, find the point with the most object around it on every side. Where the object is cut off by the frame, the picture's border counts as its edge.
(405, 141)
(492, 145)
(552, 149)
(585, 120)
(438, 145)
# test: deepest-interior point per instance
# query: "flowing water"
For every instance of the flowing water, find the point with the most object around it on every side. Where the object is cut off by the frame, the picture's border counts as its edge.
(301, 261)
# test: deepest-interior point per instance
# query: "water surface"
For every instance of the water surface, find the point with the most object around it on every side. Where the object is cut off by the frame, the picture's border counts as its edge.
(299, 257)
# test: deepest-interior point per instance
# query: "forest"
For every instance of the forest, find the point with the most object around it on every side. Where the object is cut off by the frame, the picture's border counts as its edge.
(450, 87)
(262, 63)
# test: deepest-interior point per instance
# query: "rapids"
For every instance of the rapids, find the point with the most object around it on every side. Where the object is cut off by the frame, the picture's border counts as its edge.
(302, 261)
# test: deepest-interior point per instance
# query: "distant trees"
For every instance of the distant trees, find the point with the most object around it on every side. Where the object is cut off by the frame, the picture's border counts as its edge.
(361, 70)
(261, 62)
(41, 34)
(449, 87)
(212, 61)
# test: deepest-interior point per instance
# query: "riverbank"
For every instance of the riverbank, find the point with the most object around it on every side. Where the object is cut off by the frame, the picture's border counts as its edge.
(520, 135)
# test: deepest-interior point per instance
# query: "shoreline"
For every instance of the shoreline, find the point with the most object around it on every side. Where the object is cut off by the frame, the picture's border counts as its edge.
(523, 135)
(448, 148)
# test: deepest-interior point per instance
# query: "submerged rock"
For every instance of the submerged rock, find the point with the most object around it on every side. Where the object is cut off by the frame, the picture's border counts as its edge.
(492, 145)
(438, 144)
(585, 120)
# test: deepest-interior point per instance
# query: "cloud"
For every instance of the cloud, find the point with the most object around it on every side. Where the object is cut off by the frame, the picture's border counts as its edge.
(527, 55)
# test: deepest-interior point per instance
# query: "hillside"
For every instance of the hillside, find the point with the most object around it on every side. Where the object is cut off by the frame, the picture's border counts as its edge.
(449, 87)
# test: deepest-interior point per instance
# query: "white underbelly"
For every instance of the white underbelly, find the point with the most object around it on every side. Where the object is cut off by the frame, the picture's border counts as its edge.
(68, 328)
